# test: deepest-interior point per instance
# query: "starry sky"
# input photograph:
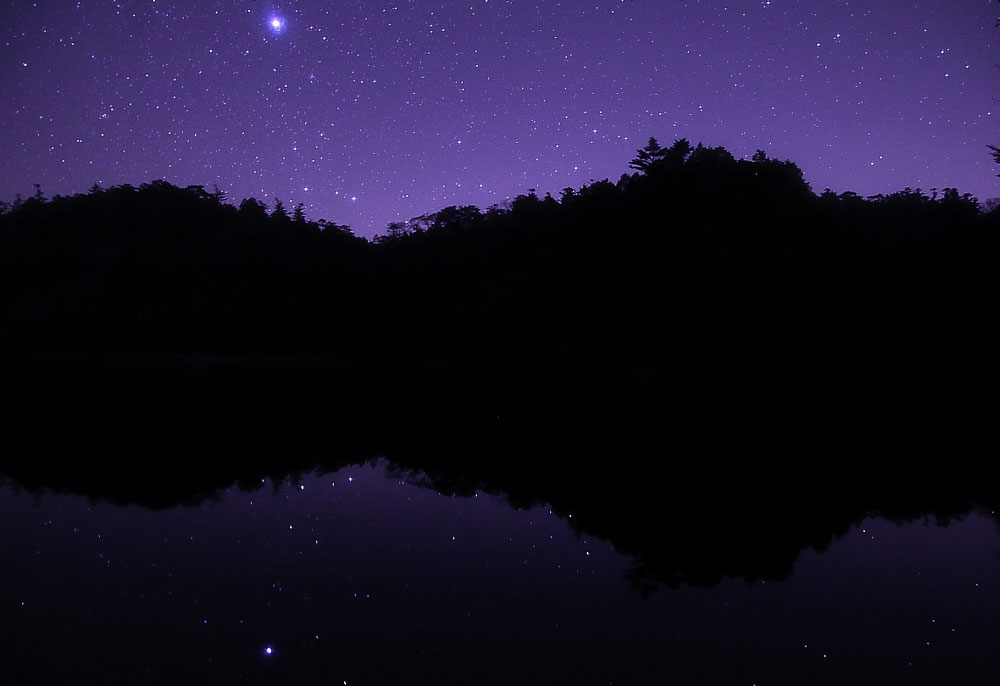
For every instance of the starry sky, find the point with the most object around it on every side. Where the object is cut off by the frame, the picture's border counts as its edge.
(372, 111)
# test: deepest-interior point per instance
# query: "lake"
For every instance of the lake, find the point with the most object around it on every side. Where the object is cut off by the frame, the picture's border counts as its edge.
(217, 521)
(362, 577)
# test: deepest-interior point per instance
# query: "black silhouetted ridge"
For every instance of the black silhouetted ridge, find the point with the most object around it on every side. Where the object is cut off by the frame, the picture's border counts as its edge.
(697, 261)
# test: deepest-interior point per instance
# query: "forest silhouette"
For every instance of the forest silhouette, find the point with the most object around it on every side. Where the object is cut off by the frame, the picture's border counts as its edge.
(696, 262)
(704, 362)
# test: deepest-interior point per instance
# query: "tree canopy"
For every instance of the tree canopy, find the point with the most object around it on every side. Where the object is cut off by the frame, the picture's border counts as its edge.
(731, 265)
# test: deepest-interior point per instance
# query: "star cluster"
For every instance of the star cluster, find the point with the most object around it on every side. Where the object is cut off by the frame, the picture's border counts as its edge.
(377, 111)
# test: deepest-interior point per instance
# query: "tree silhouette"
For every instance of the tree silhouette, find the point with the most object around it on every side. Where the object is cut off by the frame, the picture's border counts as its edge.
(733, 265)
(647, 156)
(253, 209)
(678, 153)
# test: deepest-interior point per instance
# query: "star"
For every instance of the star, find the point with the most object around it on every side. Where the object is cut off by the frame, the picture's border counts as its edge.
(277, 24)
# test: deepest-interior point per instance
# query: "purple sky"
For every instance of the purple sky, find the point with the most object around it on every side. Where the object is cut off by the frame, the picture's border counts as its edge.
(377, 111)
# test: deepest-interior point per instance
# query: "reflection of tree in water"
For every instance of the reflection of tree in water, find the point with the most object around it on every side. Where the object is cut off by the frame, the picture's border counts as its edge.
(709, 519)
(695, 483)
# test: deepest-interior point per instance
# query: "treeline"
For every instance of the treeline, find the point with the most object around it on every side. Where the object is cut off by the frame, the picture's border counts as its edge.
(696, 262)
(162, 268)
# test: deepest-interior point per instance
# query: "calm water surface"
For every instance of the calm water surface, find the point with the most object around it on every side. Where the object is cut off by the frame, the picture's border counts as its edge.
(359, 577)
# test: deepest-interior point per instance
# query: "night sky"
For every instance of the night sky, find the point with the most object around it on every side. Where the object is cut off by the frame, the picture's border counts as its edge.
(377, 111)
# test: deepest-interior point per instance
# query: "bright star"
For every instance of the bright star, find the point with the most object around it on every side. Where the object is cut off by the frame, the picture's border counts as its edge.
(268, 650)
(277, 24)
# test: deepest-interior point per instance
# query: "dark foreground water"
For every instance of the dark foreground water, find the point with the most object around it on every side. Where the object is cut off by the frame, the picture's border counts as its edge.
(667, 529)
(359, 577)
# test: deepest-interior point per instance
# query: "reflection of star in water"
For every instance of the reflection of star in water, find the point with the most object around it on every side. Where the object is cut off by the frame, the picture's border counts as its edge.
(277, 24)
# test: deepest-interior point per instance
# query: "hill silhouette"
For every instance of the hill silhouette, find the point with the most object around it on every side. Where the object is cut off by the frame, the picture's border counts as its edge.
(697, 262)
